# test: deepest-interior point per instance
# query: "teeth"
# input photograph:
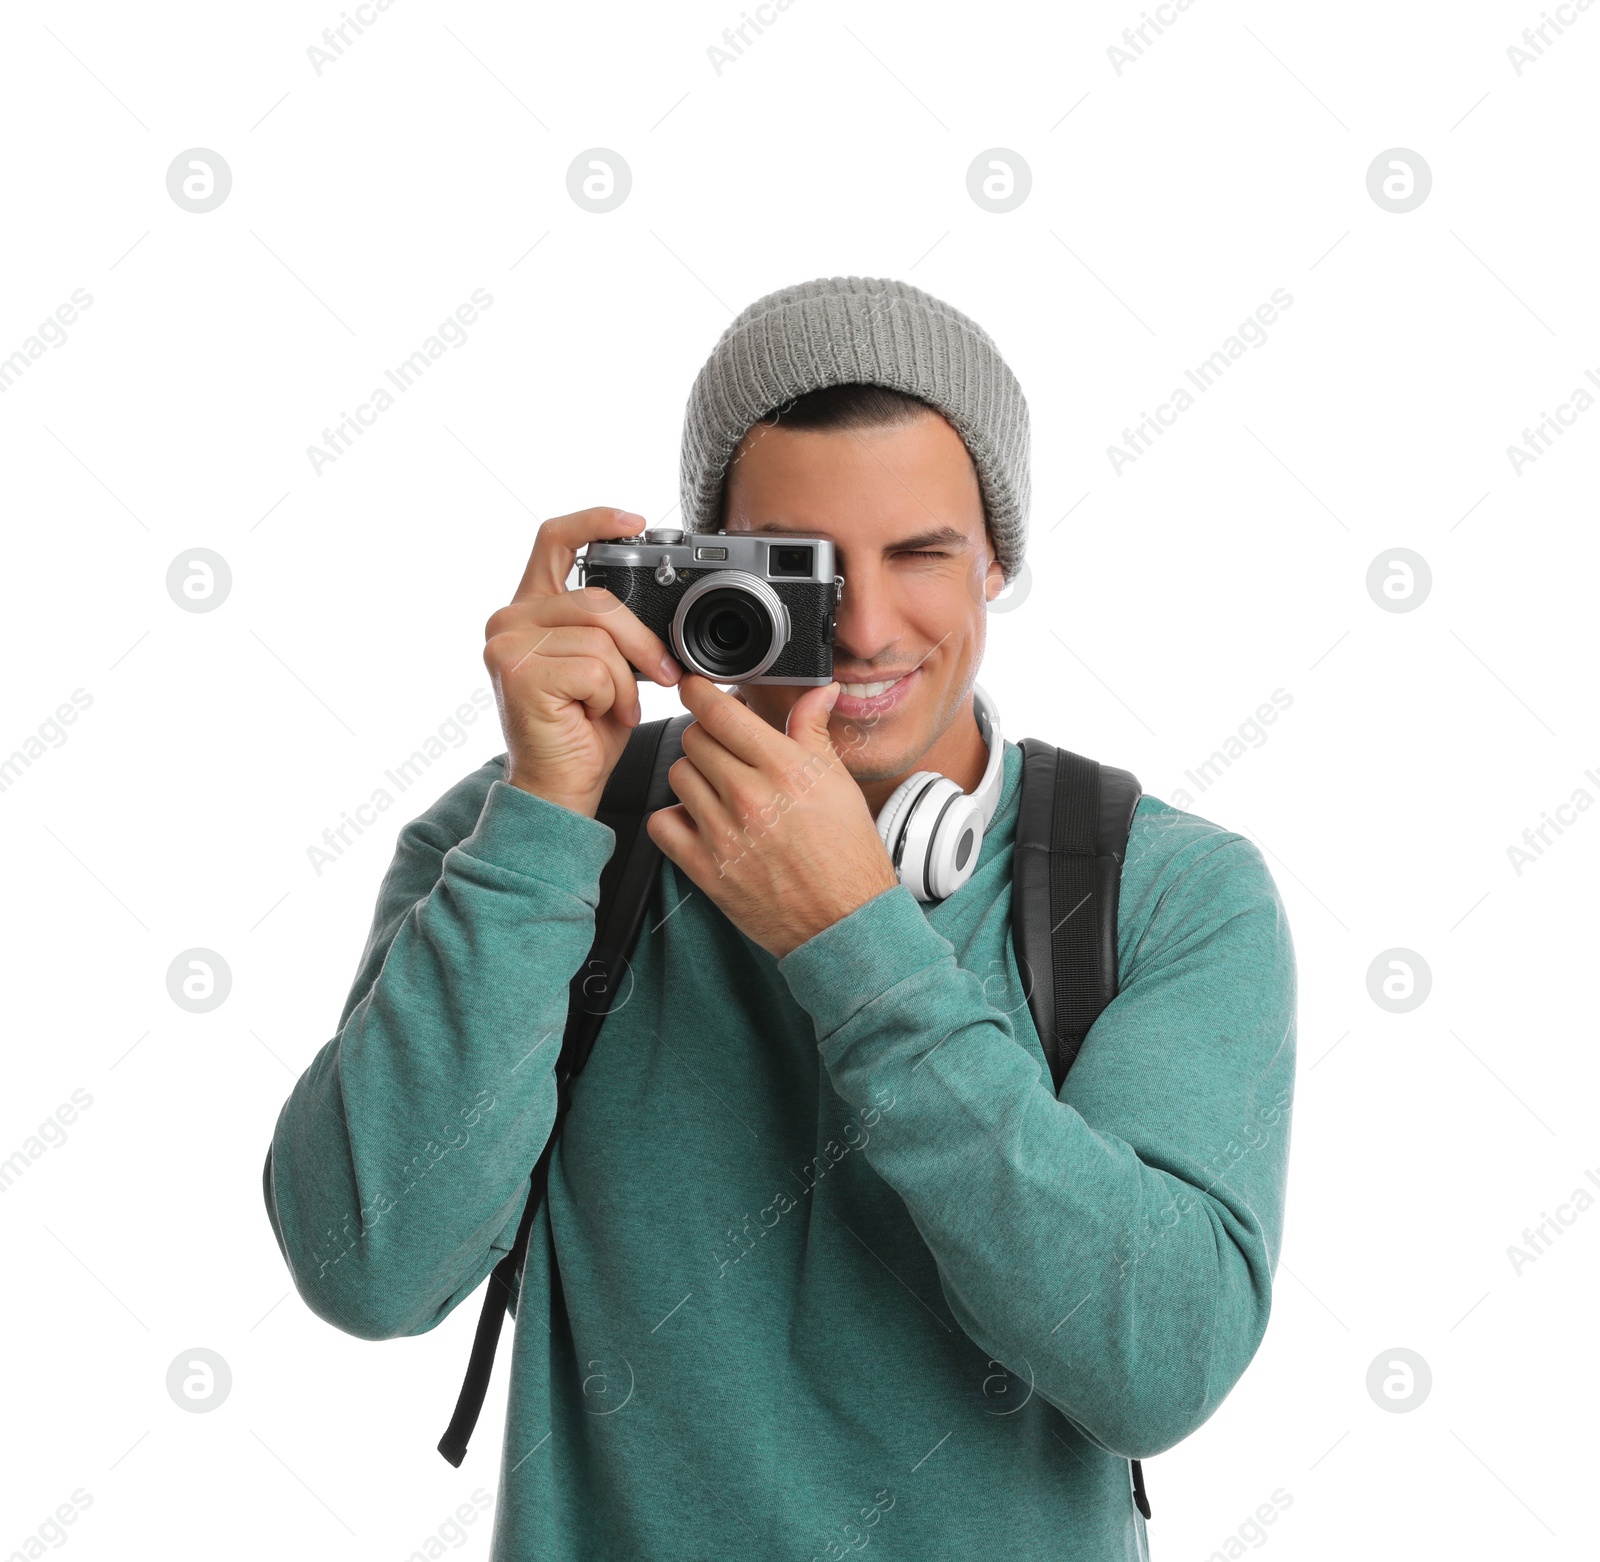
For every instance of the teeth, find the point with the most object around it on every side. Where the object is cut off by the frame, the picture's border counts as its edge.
(868, 691)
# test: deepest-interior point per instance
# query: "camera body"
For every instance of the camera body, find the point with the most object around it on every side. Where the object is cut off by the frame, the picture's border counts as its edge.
(746, 607)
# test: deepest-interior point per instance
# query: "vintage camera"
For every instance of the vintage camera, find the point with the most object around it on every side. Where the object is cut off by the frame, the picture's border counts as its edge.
(741, 608)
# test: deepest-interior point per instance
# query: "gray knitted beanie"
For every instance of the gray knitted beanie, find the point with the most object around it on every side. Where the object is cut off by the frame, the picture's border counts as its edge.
(876, 331)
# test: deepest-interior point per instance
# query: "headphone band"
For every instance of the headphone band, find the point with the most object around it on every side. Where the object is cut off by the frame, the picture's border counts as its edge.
(988, 789)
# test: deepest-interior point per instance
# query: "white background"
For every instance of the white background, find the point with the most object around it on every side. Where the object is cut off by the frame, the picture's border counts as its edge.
(1166, 603)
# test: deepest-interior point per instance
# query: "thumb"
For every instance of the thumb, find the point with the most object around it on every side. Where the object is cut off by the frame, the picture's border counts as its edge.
(808, 718)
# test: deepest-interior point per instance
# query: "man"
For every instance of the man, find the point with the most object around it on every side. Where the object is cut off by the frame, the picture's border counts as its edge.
(824, 1261)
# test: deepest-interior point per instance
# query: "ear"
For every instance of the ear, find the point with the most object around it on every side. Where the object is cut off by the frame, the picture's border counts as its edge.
(994, 580)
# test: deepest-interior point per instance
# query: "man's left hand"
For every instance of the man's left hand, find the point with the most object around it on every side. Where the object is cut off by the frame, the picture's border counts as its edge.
(772, 826)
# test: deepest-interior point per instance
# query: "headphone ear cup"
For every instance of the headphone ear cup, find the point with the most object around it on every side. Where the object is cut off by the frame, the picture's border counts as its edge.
(942, 836)
(896, 810)
(932, 828)
(953, 853)
(922, 827)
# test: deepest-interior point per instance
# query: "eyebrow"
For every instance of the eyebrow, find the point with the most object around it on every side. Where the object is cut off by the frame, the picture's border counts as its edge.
(947, 536)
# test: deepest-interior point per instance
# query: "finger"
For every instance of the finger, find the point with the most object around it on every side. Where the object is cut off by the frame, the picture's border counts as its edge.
(727, 775)
(697, 794)
(808, 719)
(556, 544)
(584, 680)
(675, 832)
(731, 722)
(556, 680)
(645, 649)
(582, 641)
(688, 846)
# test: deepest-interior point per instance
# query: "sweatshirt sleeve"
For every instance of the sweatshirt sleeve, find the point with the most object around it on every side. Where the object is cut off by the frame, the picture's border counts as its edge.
(399, 1165)
(1115, 1245)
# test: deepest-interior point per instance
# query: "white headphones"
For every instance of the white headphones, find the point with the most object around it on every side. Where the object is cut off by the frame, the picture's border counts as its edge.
(932, 829)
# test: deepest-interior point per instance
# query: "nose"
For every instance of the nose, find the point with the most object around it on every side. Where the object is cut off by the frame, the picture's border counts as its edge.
(867, 620)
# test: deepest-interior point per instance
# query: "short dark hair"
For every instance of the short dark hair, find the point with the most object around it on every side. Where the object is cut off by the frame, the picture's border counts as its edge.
(851, 405)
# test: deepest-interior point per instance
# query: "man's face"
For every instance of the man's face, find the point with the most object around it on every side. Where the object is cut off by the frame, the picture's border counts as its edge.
(904, 512)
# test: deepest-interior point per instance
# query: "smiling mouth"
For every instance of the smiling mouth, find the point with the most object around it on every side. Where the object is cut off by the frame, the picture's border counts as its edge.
(862, 698)
(867, 691)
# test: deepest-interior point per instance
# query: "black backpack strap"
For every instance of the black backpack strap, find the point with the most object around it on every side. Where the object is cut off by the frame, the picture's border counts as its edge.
(637, 787)
(1073, 820)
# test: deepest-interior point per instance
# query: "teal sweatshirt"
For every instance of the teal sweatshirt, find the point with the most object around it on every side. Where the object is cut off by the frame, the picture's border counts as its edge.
(825, 1264)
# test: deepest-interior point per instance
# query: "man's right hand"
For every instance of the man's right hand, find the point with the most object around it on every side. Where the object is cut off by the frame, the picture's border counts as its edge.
(559, 662)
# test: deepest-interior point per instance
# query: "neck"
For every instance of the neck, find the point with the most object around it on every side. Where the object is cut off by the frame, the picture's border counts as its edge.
(959, 752)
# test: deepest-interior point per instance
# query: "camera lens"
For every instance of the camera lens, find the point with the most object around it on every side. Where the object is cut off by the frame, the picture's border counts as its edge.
(728, 633)
(729, 626)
